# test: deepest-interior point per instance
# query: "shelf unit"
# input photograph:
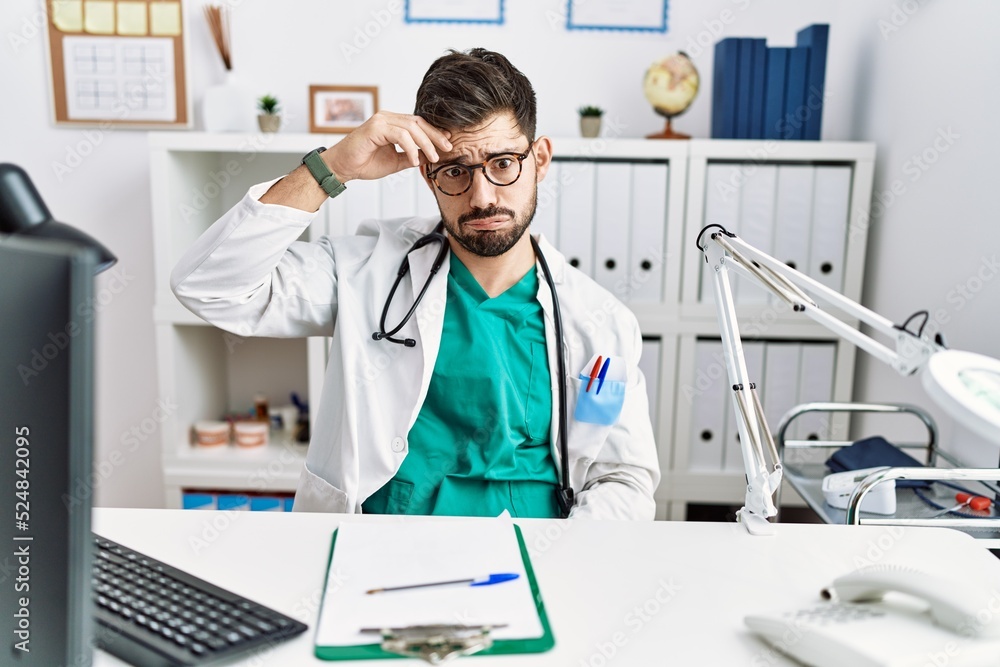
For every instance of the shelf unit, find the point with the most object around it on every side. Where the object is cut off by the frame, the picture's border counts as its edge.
(196, 177)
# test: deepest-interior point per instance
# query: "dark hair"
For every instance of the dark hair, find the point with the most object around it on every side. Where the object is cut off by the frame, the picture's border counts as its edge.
(462, 90)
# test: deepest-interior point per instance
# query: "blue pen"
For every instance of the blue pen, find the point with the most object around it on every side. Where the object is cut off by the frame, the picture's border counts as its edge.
(488, 580)
(603, 373)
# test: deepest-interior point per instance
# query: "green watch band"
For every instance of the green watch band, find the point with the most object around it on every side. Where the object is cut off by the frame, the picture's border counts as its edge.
(326, 179)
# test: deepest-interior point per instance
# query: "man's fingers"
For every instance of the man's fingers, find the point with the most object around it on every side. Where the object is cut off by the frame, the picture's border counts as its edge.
(405, 140)
(441, 138)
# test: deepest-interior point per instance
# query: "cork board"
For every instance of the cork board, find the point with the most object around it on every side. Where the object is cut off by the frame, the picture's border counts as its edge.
(119, 62)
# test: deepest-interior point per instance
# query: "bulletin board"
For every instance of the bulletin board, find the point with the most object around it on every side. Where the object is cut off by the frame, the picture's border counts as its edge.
(119, 62)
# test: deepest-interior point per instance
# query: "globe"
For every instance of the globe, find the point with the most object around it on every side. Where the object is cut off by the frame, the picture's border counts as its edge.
(671, 85)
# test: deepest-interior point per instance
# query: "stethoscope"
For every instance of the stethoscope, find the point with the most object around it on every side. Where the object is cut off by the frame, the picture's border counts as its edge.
(564, 494)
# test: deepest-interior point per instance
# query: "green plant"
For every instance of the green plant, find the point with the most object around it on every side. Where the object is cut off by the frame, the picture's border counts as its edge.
(269, 104)
(591, 111)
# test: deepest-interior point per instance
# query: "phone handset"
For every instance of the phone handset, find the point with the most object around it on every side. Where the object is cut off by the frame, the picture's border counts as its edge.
(954, 604)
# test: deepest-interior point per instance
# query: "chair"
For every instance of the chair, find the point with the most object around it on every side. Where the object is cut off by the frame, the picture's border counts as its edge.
(911, 510)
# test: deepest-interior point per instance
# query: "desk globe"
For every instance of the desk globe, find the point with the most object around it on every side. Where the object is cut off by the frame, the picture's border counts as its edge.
(671, 84)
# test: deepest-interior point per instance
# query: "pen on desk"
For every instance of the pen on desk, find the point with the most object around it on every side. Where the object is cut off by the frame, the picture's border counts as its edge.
(603, 373)
(594, 371)
(488, 580)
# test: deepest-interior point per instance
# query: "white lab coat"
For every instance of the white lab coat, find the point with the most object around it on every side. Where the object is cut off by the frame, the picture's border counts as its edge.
(249, 275)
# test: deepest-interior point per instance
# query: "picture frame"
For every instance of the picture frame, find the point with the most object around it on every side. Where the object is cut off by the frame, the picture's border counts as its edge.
(483, 12)
(340, 109)
(617, 15)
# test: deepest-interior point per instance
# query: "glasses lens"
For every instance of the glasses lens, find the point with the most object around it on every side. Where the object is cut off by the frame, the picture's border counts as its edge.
(503, 169)
(453, 180)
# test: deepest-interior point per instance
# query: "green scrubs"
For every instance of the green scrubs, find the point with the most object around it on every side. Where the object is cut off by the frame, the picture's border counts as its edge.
(480, 444)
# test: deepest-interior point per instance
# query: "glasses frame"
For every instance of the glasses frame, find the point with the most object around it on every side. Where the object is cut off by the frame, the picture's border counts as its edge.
(471, 170)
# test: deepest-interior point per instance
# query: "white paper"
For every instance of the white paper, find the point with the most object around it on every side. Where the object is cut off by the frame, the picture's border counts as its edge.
(382, 555)
(120, 78)
(641, 14)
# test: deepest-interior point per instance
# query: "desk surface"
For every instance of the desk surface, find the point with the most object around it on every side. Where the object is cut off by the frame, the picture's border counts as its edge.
(617, 593)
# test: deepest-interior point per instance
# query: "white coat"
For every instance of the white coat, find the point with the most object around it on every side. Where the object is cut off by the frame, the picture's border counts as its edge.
(249, 275)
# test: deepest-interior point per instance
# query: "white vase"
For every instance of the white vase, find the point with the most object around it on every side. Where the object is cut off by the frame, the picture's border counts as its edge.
(228, 107)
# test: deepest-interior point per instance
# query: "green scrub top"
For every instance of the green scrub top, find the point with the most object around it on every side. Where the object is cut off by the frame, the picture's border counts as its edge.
(480, 444)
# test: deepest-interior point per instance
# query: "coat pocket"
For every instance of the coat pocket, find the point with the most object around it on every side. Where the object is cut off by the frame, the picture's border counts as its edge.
(315, 494)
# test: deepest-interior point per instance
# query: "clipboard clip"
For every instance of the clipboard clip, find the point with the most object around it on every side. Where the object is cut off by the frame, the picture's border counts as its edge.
(435, 644)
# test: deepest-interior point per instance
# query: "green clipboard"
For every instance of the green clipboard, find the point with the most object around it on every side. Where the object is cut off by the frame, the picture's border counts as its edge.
(499, 647)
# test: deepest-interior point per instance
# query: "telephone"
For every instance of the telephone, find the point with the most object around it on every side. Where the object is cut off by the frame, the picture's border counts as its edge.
(889, 616)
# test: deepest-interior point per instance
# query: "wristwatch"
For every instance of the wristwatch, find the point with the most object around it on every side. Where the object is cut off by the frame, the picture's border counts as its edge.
(326, 179)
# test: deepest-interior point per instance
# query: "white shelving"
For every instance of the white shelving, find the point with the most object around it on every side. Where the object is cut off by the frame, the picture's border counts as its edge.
(196, 177)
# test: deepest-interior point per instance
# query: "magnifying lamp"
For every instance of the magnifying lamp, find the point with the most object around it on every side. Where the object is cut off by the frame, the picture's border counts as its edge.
(965, 385)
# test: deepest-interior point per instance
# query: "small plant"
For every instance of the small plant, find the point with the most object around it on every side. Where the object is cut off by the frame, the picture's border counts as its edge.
(269, 105)
(589, 111)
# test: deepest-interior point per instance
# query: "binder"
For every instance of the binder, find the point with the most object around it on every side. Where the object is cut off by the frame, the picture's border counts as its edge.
(816, 37)
(500, 646)
(791, 124)
(576, 214)
(708, 393)
(774, 95)
(815, 384)
(727, 57)
(363, 203)
(612, 220)
(793, 216)
(649, 222)
(398, 194)
(649, 364)
(722, 207)
(546, 217)
(758, 82)
(756, 226)
(732, 454)
(744, 88)
(780, 381)
(427, 206)
(831, 209)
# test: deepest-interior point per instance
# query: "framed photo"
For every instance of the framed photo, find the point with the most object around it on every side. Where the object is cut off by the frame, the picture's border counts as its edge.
(455, 11)
(340, 108)
(628, 15)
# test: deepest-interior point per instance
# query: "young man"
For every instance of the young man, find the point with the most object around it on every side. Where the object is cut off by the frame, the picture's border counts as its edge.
(462, 417)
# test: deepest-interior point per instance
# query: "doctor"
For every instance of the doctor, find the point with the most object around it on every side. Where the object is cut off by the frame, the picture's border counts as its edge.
(457, 411)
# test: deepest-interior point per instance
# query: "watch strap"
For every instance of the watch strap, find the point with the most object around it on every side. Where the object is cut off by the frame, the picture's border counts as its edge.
(326, 178)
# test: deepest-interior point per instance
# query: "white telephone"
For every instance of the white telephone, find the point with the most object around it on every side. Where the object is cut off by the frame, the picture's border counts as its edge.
(887, 616)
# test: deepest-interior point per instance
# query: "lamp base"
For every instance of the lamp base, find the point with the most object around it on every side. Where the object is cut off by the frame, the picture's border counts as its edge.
(668, 133)
(755, 523)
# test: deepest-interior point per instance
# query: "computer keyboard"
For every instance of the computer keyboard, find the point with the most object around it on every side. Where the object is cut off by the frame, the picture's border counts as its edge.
(151, 614)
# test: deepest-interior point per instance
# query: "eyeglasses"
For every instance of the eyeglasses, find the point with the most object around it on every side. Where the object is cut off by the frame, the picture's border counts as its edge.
(454, 179)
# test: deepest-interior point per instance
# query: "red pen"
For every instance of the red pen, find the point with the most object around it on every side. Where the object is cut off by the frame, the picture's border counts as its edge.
(594, 371)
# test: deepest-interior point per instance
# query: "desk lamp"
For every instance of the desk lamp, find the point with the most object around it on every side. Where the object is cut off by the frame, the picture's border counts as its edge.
(965, 384)
(23, 212)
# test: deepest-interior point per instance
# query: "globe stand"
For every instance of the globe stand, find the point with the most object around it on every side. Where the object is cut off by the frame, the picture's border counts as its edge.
(668, 131)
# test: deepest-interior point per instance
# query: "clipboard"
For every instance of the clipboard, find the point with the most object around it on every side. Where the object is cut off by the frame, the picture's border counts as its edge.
(379, 650)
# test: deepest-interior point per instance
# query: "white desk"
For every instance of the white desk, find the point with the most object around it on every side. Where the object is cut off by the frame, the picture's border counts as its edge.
(617, 593)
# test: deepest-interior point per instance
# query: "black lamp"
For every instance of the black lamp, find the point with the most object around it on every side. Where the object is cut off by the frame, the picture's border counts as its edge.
(23, 212)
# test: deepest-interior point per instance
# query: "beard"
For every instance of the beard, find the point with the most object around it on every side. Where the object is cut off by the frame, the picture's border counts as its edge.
(491, 242)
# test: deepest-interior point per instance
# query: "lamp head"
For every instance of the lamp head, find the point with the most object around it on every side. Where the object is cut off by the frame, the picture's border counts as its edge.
(23, 212)
(967, 386)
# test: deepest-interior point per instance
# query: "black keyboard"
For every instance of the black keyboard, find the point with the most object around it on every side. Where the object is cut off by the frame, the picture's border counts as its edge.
(151, 614)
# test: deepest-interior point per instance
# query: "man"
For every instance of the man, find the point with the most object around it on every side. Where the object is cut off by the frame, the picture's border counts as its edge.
(463, 417)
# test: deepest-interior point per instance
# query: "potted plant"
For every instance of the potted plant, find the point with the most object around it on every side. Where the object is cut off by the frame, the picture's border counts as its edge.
(268, 119)
(590, 120)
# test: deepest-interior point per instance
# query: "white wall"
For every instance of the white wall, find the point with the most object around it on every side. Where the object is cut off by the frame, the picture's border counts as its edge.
(879, 89)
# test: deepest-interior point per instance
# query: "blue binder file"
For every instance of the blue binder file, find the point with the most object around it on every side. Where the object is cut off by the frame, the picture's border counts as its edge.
(758, 77)
(793, 120)
(815, 37)
(744, 88)
(724, 105)
(774, 92)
